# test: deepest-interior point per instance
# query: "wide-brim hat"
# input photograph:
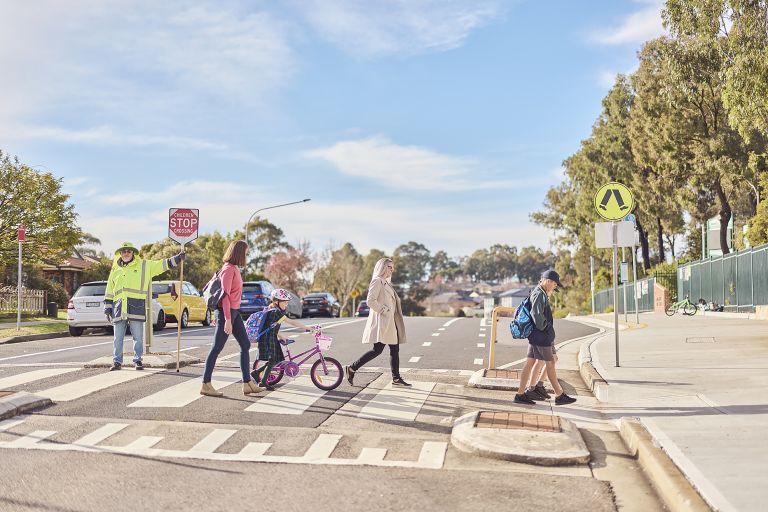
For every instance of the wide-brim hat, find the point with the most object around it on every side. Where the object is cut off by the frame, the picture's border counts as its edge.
(126, 245)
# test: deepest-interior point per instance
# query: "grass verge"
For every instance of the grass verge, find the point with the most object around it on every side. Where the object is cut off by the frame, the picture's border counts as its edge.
(34, 329)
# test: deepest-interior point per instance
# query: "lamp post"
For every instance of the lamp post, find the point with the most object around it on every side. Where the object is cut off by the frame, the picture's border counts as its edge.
(248, 224)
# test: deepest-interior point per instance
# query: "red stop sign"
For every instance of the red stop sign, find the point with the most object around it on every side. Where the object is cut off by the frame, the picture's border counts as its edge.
(22, 233)
(183, 224)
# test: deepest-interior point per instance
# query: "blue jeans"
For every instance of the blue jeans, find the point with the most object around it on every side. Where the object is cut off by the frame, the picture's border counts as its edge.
(137, 331)
(220, 338)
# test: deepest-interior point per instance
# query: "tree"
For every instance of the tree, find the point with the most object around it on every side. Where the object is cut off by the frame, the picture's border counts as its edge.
(412, 262)
(531, 262)
(443, 266)
(34, 199)
(287, 269)
(341, 273)
(264, 239)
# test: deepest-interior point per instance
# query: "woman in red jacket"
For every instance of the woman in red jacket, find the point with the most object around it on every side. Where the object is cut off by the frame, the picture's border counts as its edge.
(229, 321)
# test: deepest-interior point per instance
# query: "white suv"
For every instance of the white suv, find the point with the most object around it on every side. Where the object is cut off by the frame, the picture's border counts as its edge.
(86, 309)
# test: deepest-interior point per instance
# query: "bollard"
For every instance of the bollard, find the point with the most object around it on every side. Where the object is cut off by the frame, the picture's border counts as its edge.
(492, 341)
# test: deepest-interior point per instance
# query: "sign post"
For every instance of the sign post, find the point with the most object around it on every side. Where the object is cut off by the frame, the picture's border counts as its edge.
(613, 201)
(183, 224)
(22, 236)
(355, 294)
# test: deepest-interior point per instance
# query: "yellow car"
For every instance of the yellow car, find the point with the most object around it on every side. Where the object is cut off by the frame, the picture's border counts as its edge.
(193, 307)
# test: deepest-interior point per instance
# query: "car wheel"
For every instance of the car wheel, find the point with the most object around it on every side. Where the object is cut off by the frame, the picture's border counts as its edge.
(207, 320)
(75, 331)
(160, 325)
(184, 319)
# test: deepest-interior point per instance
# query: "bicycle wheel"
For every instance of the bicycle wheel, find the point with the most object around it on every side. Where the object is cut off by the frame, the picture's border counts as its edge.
(689, 309)
(275, 376)
(671, 309)
(326, 380)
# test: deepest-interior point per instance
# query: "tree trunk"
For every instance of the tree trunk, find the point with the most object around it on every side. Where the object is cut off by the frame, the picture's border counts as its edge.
(644, 245)
(660, 240)
(725, 216)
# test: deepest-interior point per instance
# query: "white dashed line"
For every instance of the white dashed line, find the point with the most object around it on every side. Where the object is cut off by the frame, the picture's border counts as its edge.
(481, 335)
(479, 361)
(441, 329)
(426, 344)
(435, 334)
(414, 359)
(449, 322)
(481, 345)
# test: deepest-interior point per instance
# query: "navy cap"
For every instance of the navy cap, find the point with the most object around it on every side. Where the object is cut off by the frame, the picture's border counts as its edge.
(553, 275)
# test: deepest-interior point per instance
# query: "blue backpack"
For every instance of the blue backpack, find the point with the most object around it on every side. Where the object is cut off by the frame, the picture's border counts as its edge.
(254, 326)
(522, 325)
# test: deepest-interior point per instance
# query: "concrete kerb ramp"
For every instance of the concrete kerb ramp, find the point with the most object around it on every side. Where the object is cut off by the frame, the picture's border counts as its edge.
(21, 402)
(164, 360)
(544, 448)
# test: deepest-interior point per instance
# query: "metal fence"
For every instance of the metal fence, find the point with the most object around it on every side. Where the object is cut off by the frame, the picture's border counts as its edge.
(32, 301)
(737, 281)
(643, 289)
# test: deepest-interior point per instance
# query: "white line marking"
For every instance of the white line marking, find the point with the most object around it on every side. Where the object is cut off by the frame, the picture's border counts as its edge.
(27, 377)
(186, 392)
(441, 329)
(30, 440)
(433, 454)
(34, 354)
(212, 441)
(478, 361)
(414, 359)
(143, 443)
(482, 329)
(9, 424)
(449, 322)
(188, 348)
(292, 398)
(323, 447)
(399, 404)
(236, 354)
(83, 387)
(371, 455)
(254, 450)
(481, 345)
(435, 334)
(481, 335)
(100, 434)
(426, 344)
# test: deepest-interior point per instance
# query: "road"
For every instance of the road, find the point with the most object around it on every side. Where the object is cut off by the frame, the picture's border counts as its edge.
(148, 440)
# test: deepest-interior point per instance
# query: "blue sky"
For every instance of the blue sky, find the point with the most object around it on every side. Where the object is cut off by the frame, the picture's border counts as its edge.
(443, 122)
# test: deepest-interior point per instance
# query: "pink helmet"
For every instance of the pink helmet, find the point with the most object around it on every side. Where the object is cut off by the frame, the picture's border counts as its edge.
(280, 294)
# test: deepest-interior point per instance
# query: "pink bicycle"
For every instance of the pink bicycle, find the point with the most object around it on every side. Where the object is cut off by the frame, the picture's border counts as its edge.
(326, 372)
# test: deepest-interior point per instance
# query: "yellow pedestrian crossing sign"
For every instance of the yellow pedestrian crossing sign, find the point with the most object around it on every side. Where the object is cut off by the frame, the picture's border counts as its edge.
(613, 201)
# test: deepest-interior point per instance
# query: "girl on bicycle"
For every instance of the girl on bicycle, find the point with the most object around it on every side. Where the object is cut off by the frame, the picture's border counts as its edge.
(269, 343)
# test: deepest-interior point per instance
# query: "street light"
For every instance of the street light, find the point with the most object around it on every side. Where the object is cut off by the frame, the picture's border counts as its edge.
(248, 224)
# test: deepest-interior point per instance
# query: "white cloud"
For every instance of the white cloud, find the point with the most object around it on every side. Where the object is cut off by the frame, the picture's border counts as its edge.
(638, 27)
(404, 167)
(606, 79)
(385, 27)
(367, 224)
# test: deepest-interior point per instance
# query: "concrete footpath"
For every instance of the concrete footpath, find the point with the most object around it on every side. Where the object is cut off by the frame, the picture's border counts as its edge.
(699, 386)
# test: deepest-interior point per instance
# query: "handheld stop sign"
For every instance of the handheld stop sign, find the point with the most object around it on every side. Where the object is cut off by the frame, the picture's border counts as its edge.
(183, 224)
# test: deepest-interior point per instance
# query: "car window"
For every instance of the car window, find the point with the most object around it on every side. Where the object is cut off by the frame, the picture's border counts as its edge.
(187, 290)
(331, 298)
(268, 288)
(161, 288)
(252, 288)
(190, 288)
(90, 290)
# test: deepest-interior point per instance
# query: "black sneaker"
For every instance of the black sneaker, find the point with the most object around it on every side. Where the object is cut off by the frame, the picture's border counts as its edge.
(398, 381)
(564, 399)
(350, 373)
(256, 376)
(139, 365)
(115, 366)
(533, 395)
(523, 399)
(269, 387)
(541, 390)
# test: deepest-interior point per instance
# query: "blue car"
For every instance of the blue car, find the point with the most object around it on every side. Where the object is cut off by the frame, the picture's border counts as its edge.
(255, 297)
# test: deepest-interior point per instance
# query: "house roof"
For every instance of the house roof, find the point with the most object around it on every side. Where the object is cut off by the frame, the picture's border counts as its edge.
(516, 292)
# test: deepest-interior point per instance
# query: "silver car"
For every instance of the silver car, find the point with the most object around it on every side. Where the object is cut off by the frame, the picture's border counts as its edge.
(86, 309)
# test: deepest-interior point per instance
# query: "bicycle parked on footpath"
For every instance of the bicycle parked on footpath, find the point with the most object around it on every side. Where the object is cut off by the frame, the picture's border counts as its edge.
(688, 307)
(326, 372)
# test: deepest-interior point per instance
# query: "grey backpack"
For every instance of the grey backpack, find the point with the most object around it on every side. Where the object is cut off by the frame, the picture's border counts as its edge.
(213, 292)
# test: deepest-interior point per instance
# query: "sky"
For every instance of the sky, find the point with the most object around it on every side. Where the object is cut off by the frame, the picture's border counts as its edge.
(443, 122)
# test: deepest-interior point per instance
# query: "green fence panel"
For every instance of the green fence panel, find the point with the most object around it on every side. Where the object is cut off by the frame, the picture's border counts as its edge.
(729, 278)
(695, 291)
(744, 280)
(760, 275)
(718, 283)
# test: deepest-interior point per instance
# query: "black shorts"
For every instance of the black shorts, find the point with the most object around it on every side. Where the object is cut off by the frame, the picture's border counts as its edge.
(541, 353)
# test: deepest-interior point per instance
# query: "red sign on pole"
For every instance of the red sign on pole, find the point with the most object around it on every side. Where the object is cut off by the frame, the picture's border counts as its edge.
(22, 233)
(183, 224)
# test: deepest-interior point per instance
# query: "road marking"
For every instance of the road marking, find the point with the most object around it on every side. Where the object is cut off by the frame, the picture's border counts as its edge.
(482, 329)
(371, 456)
(449, 322)
(433, 454)
(481, 345)
(481, 335)
(212, 441)
(426, 344)
(188, 348)
(292, 398)
(186, 392)
(323, 447)
(482, 322)
(253, 451)
(441, 329)
(435, 334)
(27, 377)
(31, 440)
(236, 354)
(8, 424)
(143, 443)
(100, 434)
(34, 354)
(414, 359)
(399, 404)
(83, 387)
(478, 361)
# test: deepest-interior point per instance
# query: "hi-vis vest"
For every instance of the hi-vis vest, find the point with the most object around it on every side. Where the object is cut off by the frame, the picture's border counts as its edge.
(128, 285)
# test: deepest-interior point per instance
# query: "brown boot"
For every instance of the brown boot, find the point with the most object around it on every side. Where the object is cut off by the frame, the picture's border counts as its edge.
(209, 390)
(251, 388)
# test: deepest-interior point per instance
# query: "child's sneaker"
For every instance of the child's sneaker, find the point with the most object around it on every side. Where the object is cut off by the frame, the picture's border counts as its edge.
(564, 399)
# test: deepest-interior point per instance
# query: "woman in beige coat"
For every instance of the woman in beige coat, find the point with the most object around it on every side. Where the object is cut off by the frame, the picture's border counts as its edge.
(385, 324)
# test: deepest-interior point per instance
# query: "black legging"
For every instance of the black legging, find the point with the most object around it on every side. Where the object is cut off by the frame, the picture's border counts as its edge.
(378, 348)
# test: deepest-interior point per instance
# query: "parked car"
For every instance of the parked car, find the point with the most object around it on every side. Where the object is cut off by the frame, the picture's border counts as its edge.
(86, 309)
(193, 306)
(363, 309)
(320, 303)
(255, 297)
(295, 307)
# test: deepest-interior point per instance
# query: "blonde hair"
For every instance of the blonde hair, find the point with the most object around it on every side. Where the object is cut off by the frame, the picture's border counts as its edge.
(380, 267)
(235, 253)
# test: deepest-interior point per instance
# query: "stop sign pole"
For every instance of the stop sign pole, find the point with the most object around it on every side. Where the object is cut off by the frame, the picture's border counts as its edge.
(183, 224)
(22, 237)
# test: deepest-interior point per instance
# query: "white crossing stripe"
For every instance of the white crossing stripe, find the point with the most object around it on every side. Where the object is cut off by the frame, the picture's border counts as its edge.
(30, 440)
(323, 447)
(254, 450)
(398, 403)
(371, 455)
(186, 392)
(481, 345)
(433, 454)
(9, 424)
(481, 335)
(414, 359)
(212, 441)
(83, 387)
(435, 334)
(143, 443)
(479, 361)
(292, 398)
(27, 377)
(426, 344)
(100, 434)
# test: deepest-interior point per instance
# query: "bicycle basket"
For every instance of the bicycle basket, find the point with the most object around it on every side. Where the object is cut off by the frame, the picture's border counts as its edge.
(324, 342)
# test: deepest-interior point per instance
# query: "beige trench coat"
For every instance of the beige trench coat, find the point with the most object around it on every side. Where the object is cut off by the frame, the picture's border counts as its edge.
(385, 321)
